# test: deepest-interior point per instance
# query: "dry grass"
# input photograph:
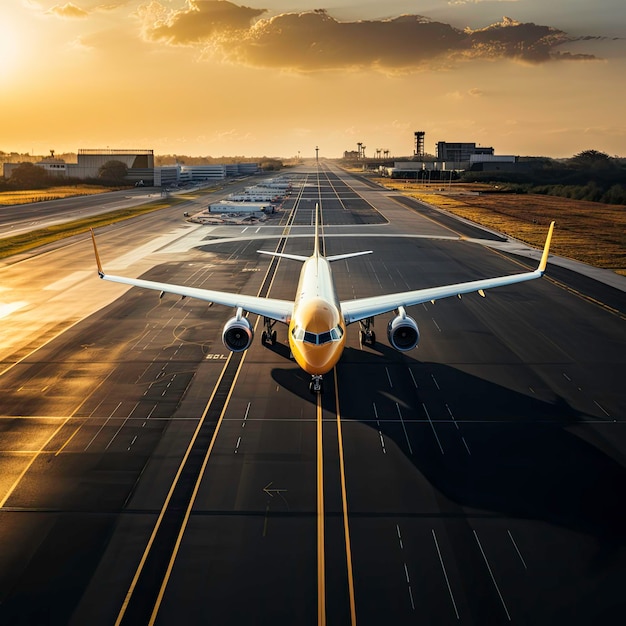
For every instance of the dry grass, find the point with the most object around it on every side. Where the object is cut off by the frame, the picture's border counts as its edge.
(586, 231)
(51, 193)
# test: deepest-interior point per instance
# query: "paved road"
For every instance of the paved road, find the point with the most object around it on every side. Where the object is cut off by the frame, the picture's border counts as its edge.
(478, 479)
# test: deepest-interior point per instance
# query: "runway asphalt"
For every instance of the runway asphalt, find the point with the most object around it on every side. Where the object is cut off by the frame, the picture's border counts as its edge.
(148, 476)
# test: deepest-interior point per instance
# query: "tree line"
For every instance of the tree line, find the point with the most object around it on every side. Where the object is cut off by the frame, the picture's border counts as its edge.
(589, 175)
(30, 176)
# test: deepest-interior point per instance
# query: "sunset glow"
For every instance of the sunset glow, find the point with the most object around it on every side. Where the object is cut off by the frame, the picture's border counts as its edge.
(208, 77)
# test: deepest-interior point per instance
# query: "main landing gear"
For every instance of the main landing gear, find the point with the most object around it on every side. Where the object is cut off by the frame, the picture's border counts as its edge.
(269, 334)
(366, 334)
(316, 385)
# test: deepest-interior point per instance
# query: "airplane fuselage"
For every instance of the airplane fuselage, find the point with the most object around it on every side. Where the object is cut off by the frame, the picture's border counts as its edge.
(317, 331)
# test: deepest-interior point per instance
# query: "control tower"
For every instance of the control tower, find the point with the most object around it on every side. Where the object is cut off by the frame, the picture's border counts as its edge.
(418, 152)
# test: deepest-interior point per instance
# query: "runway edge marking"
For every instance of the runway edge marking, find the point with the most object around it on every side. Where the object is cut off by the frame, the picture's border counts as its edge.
(170, 493)
(192, 500)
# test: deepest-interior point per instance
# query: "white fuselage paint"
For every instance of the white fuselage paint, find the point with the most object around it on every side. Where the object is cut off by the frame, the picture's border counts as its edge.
(316, 310)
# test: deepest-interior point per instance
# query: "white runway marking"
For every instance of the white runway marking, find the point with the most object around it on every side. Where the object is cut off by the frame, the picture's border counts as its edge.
(69, 281)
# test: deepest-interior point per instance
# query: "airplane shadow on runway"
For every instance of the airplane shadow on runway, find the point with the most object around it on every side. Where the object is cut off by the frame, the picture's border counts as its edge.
(524, 461)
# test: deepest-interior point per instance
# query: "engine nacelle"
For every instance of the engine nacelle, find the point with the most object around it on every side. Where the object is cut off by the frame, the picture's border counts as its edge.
(238, 333)
(402, 331)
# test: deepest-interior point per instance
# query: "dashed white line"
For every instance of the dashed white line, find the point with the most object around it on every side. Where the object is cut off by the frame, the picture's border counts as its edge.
(413, 379)
(404, 428)
(603, 410)
(435, 381)
(452, 416)
(399, 537)
(445, 574)
(517, 550)
(437, 325)
(466, 446)
(121, 426)
(411, 597)
(245, 417)
(433, 427)
(495, 584)
(103, 425)
(389, 377)
(382, 442)
(237, 446)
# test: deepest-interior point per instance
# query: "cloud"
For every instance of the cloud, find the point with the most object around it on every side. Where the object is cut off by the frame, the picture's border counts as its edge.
(111, 6)
(199, 22)
(314, 40)
(526, 42)
(471, 93)
(67, 11)
(459, 2)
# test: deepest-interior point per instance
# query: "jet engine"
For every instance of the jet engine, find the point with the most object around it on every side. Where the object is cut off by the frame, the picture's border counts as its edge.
(238, 333)
(402, 331)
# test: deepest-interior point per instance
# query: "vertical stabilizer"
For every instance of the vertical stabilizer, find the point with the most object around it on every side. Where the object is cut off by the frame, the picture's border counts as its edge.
(316, 248)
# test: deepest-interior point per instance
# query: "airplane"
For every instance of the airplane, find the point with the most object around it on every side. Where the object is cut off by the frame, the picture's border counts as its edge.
(316, 318)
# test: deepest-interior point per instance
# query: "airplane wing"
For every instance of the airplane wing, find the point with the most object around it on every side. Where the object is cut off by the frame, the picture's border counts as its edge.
(279, 310)
(362, 308)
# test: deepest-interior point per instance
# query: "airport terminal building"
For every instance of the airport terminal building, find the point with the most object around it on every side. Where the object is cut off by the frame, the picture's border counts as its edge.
(140, 165)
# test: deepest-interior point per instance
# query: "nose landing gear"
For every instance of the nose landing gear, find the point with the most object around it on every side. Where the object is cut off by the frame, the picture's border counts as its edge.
(316, 385)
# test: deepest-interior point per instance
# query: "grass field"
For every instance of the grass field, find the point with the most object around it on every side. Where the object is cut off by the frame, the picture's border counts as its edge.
(52, 193)
(586, 231)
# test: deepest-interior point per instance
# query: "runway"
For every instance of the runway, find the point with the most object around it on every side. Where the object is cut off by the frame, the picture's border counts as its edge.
(149, 476)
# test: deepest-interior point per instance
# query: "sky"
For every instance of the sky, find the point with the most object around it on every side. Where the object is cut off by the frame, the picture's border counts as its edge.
(278, 78)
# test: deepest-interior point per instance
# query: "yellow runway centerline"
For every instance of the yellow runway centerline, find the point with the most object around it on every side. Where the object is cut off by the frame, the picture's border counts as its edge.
(321, 574)
(344, 499)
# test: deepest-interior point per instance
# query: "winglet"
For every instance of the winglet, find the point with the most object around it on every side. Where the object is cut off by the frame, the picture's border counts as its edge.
(544, 257)
(95, 249)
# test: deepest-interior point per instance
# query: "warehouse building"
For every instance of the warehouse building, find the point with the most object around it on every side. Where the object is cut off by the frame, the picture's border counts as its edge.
(256, 209)
(459, 152)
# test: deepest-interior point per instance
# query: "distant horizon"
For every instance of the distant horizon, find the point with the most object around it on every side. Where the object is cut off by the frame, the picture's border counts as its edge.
(61, 154)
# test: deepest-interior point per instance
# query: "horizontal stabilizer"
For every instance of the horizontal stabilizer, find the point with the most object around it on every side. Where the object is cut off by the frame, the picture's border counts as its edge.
(339, 257)
(293, 257)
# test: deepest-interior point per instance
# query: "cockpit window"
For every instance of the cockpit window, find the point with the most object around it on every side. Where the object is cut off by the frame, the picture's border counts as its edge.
(324, 337)
(334, 334)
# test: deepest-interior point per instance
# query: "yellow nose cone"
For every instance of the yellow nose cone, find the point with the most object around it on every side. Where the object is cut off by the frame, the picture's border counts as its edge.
(317, 316)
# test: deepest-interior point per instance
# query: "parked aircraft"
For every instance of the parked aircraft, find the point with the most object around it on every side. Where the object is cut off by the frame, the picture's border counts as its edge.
(316, 318)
